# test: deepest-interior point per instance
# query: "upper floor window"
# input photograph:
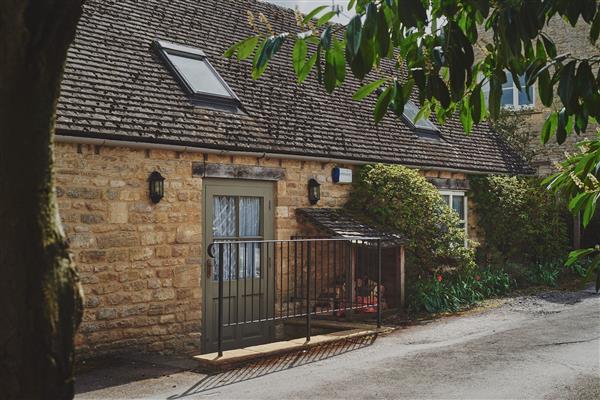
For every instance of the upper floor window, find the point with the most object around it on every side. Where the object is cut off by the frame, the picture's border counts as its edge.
(195, 73)
(512, 97)
(515, 98)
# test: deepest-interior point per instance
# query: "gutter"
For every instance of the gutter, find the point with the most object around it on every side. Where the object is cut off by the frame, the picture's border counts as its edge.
(59, 138)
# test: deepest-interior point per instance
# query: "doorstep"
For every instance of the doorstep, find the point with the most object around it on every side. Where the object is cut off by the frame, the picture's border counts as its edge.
(233, 358)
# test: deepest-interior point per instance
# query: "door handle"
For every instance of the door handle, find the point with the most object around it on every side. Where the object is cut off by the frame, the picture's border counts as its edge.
(209, 267)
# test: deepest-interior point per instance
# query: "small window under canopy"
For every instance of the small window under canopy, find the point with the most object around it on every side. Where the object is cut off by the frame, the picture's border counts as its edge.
(195, 73)
(410, 112)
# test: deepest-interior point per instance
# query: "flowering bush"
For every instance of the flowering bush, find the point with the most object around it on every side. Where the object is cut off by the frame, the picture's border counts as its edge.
(401, 199)
(454, 291)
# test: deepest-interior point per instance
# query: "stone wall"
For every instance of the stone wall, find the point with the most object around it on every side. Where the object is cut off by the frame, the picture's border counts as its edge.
(139, 262)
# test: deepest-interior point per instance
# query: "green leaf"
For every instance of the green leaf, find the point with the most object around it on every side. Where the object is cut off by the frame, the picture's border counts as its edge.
(595, 29)
(549, 45)
(588, 9)
(308, 66)
(496, 93)
(244, 48)
(549, 128)
(326, 38)
(326, 17)
(335, 66)
(260, 61)
(299, 56)
(313, 13)
(477, 103)
(561, 127)
(577, 255)
(367, 89)
(440, 90)
(590, 209)
(247, 47)
(383, 34)
(383, 102)
(545, 88)
(465, 116)
(353, 36)
(566, 85)
(578, 202)
(585, 80)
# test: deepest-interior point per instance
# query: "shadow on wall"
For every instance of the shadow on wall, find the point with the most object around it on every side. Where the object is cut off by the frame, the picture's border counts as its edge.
(276, 364)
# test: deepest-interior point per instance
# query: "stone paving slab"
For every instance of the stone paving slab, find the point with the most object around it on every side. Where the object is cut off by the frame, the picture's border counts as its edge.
(232, 358)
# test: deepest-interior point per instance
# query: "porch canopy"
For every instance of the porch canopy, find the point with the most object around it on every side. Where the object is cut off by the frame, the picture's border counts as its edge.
(339, 222)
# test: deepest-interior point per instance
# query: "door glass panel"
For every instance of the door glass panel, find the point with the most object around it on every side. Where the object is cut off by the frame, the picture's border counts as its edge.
(458, 204)
(239, 260)
(230, 262)
(249, 260)
(224, 217)
(249, 216)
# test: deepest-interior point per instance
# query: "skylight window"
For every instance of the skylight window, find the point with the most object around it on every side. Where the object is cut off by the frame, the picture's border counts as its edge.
(199, 78)
(410, 113)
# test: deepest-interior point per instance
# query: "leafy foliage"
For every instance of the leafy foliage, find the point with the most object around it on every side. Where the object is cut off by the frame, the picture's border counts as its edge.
(400, 199)
(431, 43)
(578, 180)
(515, 128)
(454, 291)
(522, 222)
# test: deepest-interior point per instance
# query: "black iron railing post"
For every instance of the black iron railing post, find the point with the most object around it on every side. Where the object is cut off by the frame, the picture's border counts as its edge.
(220, 327)
(379, 283)
(308, 292)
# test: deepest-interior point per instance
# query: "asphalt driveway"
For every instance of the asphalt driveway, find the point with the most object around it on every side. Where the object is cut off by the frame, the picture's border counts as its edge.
(545, 346)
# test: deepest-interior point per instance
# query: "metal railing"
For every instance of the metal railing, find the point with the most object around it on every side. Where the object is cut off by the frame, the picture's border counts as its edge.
(262, 281)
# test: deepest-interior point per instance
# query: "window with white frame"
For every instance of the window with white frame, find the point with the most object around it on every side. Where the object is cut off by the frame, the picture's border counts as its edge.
(457, 201)
(512, 97)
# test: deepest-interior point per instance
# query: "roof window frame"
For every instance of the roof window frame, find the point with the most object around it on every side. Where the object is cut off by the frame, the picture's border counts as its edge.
(433, 133)
(211, 100)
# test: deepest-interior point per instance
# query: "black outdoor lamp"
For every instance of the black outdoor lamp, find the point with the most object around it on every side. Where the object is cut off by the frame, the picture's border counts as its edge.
(314, 191)
(157, 186)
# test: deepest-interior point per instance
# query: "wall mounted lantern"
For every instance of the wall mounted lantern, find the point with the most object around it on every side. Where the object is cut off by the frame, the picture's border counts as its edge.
(314, 191)
(157, 186)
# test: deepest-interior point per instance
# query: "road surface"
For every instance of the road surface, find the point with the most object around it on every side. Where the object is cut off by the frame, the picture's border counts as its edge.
(545, 346)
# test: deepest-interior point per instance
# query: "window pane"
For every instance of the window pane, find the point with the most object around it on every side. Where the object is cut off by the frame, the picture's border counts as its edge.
(249, 260)
(507, 97)
(224, 216)
(198, 75)
(458, 204)
(410, 112)
(446, 199)
(249, 216)
(526, 96)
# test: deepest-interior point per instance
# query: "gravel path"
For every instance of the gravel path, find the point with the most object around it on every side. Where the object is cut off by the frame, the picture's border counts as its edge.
(544, 346)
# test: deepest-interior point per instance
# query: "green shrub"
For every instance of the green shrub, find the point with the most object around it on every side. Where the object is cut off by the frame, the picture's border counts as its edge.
(401, 199)
(522, 222)
(454, 291)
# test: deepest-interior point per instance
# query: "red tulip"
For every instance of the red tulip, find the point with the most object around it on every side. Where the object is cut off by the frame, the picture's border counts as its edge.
(439, 278)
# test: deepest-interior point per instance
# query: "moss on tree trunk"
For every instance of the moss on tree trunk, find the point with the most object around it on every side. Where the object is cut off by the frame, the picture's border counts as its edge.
(39, 289)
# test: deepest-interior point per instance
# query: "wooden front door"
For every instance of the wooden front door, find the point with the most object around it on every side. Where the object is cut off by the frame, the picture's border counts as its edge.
(238, 211)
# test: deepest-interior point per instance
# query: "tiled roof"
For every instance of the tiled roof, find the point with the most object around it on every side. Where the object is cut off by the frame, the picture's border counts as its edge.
(116, 87)
(338, 222)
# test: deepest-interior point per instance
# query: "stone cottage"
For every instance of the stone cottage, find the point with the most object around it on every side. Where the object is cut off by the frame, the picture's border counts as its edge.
(147, 92)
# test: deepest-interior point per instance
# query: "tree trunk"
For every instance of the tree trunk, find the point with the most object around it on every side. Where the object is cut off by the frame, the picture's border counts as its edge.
(39, 289)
